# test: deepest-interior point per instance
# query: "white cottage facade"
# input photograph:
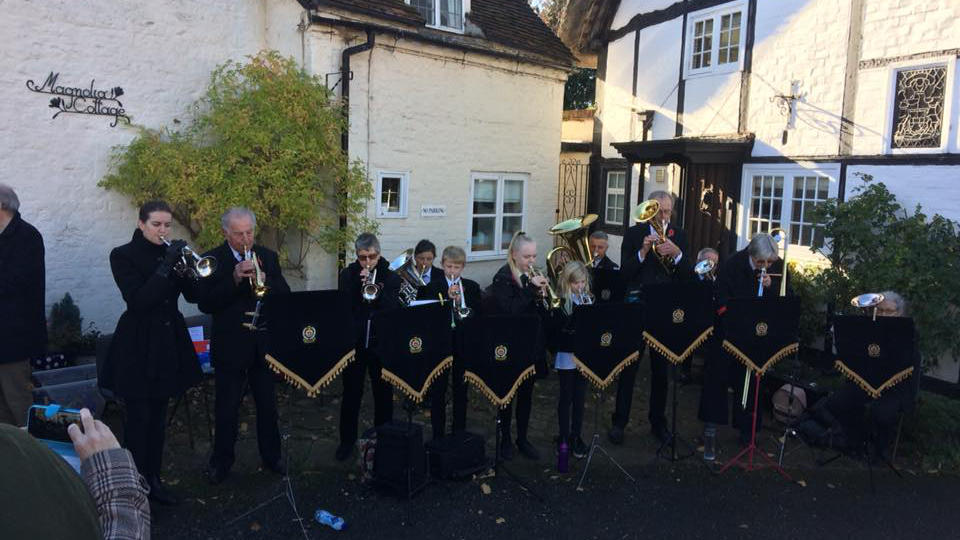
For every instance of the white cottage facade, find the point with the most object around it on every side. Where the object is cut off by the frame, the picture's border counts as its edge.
(454, 109)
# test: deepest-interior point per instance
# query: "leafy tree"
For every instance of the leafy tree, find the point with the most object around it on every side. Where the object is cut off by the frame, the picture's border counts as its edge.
(580, 90)
(874, 244)
(266, 135)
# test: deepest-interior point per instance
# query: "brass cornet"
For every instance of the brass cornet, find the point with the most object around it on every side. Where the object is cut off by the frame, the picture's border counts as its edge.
(550, 298)
(370, 290)
(257, 282)
(191, 264)
(706, 269)
(460, 308)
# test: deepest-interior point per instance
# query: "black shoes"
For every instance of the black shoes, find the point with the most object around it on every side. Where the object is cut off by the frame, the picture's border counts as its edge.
(275, 467)
(344, 451)
(506, 449)
(615, 435)
(162, 494)
(578, 448)
(528, 450)
(661, 433)
(216, 474)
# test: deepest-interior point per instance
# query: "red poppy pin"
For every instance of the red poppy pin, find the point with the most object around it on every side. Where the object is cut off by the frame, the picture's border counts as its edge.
(670, 233)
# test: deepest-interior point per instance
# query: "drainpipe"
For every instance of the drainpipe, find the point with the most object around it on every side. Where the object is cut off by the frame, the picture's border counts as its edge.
(345, 76)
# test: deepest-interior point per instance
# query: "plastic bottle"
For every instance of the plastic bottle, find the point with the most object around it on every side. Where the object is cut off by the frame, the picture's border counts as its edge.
(326, 518)
(563, 457)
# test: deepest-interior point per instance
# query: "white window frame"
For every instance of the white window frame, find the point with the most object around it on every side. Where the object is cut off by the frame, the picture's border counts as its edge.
(788, 171)
(435, 23)
(497, 252)
(607, 191)
(948, 131)
(404, 193)
(715, 13)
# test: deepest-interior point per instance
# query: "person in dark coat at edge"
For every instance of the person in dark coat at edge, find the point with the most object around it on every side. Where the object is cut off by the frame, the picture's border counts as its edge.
(151, 357)
(352, 278)
(238, 353)
(514, 292)
(641, 268)
(23, 331)
(450, 287)
(739, 277)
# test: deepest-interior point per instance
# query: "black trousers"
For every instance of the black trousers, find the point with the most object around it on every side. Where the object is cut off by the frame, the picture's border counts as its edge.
(438, 400)
(365, 362)
(573, 391)
(524, 401)
(144, 432)
(230, 385)
(659, 368)
(717, 370)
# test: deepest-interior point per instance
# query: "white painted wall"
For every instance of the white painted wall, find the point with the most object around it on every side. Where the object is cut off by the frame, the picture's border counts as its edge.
(615, 107)
(161, 54)
(933, 187)
(629, 8)
(657, 72)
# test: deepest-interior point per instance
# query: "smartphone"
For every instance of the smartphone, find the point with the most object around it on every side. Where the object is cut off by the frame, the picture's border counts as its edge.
(50, 422)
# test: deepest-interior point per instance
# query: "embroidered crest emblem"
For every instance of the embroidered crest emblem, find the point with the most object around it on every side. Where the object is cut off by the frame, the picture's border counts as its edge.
(678, 316)
(606, 339)
(605, 294)
(762, 329)
(500, 353)
(416, 345)
(309, 334)
(873, 350)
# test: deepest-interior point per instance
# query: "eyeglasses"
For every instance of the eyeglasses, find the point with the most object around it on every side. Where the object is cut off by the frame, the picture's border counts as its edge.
(368, 257)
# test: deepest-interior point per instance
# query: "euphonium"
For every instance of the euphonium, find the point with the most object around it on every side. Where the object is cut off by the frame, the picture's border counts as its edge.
(191, 264)
(370, 290)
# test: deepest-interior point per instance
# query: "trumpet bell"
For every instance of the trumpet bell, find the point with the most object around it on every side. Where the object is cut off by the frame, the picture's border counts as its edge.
(206, 267)
(645, 211)
(704, 267)
(867, 300)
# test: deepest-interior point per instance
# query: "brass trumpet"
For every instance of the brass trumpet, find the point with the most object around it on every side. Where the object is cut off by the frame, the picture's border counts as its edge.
(460, 308)
(257, 282)
(550, 299)
(706, 269)
(191, 264)
(370, 290)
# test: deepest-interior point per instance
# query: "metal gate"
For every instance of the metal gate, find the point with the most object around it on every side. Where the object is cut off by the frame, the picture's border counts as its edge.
(572, 189)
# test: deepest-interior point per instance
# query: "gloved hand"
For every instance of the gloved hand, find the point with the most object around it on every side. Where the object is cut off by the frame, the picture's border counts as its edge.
(173, 254)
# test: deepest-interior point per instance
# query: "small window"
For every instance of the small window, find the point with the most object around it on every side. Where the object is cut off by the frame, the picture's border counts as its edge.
(392, 194)
(716, 39)
(615, 197)
(918, 108)
(498, 210)
(784, 200)
(445, 14)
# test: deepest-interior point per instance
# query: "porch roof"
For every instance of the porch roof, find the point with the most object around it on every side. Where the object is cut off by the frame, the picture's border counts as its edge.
(711, 149)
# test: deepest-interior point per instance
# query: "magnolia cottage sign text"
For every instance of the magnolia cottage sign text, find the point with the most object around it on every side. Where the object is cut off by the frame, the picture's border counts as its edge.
(90, 100)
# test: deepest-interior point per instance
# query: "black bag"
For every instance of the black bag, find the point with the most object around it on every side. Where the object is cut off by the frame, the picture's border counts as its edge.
(400, 461)
(457, 456)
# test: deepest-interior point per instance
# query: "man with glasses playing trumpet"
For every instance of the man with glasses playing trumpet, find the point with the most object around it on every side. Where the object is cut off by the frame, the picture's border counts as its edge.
(463, 296)
(245, 274)
(371, 287)
(652, 253)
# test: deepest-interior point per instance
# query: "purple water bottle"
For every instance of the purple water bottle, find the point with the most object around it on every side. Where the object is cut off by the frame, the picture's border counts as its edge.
(563, 457)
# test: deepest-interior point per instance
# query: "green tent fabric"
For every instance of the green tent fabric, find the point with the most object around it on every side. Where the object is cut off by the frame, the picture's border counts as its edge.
(41, 496)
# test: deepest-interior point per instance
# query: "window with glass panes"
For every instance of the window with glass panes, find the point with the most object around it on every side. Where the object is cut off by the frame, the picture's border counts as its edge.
(773, 195)
(808, 193)
(716, 38)
(442, 13)
(392, 194)
(497, 211)
(702, 43)
(616, 183)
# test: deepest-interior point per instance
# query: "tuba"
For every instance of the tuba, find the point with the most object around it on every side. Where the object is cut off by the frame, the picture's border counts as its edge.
(411, 278)
(575, 233)
(193, 265)
(648, 212)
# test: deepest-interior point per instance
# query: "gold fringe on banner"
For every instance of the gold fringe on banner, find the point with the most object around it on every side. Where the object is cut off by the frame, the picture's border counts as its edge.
(669, 354)
(779, 355)
(476, 381)
(874, 392)
(603, 383)
(416, 395)
(295, 380)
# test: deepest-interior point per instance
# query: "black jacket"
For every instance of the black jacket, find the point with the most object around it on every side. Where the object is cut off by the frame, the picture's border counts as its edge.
(350, 282)
(650, 271)
(438, 287)
(151, 354)
(736, 279)
(23, 330)
(231, 344)
(507, 297)
(606, 264)
(426, 293)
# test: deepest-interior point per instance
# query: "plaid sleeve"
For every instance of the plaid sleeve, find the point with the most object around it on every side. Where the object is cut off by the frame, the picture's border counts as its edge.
(120, 494)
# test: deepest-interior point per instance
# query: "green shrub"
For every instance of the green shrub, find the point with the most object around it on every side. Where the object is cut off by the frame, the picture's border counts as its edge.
(65, 332)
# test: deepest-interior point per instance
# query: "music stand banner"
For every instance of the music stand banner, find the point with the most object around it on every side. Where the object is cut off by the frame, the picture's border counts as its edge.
(311, 337)
(499, 353)
(761, 331)
(607, 285)
(414, 345)
(607, 340)
(677, 318)
(876, 355)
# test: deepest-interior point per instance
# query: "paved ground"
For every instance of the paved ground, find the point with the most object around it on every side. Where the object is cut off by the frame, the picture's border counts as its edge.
(683, 500)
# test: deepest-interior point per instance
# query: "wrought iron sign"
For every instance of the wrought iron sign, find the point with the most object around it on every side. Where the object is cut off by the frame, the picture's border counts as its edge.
(76, 100)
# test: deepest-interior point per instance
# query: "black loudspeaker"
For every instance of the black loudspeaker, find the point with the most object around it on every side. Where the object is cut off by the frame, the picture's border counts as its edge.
(400, 461)
(457, 456)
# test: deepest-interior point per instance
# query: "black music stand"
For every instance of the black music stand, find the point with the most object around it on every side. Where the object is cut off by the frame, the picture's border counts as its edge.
(876, 355)
(759, 332)
(606, 341)
(310, 337)
(608, 285)
(677, 319)
(499, 354)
